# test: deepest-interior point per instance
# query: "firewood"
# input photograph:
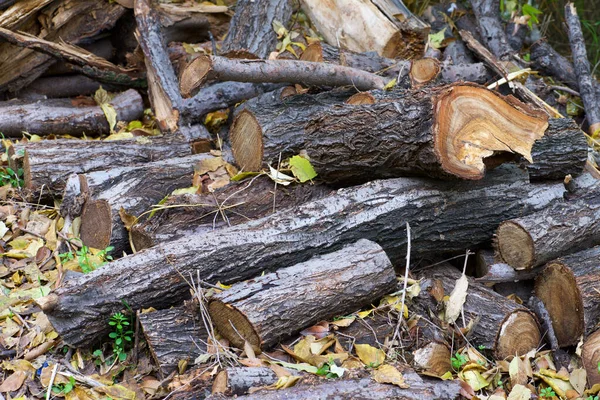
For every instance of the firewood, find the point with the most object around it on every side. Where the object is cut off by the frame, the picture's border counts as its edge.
(500, 324)
(102, 48)
(50, 87)
(236, 381)
(561, 229)
(60, 116)
(590, 357)
(490, 27)
(322, 287)
(502, 277)
(423, 71)
(568, 288)
(450, 216)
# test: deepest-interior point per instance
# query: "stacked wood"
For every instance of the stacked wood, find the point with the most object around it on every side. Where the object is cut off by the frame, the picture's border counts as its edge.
(502, 277)
(261, 312)
(236, 381)
(374, 211)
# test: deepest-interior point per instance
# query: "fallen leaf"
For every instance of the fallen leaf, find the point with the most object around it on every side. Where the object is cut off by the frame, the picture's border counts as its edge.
(474, 379)
(369, 355)
(457, 299)
(519, 392)
(13, 382)
(389, 374)
(302, 168)
(517, 372)
(344, 322)
(578, 379)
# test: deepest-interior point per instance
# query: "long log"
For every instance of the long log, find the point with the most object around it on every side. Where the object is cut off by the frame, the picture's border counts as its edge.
(419, 132)
(500, 324)
(568, 288)
(234, 204)
(236, 381)
(559, 230)
(60, 116)
(48, 163)
(322, 287)
(446, 217)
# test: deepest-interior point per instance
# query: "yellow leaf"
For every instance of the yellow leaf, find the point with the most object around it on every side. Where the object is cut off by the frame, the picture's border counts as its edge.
(390, 85)
(285, 382)
(436, 40)
(116, 392)
(365, 314)
(344, 322)
(389, 374)
(101, 96)
(123, 135)
(446, 376)
(302, 168)
(369, 355)
(457, 299)
(519, 392)
(189, 190)
(474, 379)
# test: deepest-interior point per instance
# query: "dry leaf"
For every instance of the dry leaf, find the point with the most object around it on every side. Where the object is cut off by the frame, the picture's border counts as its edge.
(517, 372)
(389, 374)
(457, 299)
(13, 382)
(519, 392)
(578, 379)
(369, 355)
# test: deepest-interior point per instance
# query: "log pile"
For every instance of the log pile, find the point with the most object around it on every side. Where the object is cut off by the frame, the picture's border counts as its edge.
(330, 163)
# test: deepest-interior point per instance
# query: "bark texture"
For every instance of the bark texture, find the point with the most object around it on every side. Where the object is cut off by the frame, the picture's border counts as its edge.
(490, 27)
(236, 381)
(445, 216)
(61, 86)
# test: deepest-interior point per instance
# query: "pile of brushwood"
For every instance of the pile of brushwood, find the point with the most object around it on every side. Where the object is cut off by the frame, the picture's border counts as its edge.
(296, 200)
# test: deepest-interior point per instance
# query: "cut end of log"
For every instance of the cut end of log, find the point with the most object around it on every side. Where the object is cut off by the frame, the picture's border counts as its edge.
(96, 224)
(361, 98)
(313, 52)
(423, 71)
(194, 75)
(246, 139)
(557, 289)
(434, 358)
(590, 356)
(47, 303)
(233, 325)
(519, 334)
(473, 123)
(515, 245)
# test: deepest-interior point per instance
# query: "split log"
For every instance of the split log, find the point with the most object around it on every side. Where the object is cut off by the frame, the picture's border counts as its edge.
(205, 68)
(387, 26)
(234, 204)
(236, 381)
(419, 132)
(490, 27)
(590, 357)
(275, 306)
(133, 190)
(60, 116)
(500, 324)
(446, 217)
(174, 335)
(568, 288)
(559, 230)
(251, 28)
(48, 163)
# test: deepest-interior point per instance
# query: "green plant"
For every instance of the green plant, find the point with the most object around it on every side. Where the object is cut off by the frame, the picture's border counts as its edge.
(330, 370)
(8, 175)
(508, 7)
(64, 388)
(547, 393)
(592, 398)
(458, 360)
(86, 260)
(121, 335)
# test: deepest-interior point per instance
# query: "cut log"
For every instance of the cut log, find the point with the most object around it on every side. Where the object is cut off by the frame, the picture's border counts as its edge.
(502, 277)
(423, 71)
(590, 357)
(205, 68)
(60, 116)
(490, 27)
(234, 204)
(568, 288)
(446, 217)
(386, 27)
(559, 230)
(500, 324)
(275, 306)
(251, 29)
(48, 163)
(131, 189)
(235, 381)
(420, 132)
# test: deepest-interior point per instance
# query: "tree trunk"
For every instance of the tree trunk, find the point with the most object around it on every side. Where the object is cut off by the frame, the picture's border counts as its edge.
(234, 204)
(332, 284)
(559, 230)
(62, 117)
(568, 288)
(174, 335)
(236, 381)
(445, 216)
(501, 325)
(48, 163)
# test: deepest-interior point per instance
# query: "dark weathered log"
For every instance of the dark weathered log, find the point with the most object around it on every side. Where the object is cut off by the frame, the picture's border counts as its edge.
(60, 116)
(133, 189)
(419, 132)
(102, 48)
(234, 204)
(550, 62)
(61, 86)
(174, 335)
(583, 70)
(251, 29)
(500, 324)
(236, 381)
(561, 358)
(457, 53)
(446, 217)
(490, 27)
(48, 163)
(590, 357)
(275, 306)
(562, 229)
(502, 277)
(568, 288)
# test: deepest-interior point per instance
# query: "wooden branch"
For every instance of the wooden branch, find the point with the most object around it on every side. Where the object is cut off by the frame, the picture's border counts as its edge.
(275, 71)
(490, 27)
(61, 116)
(236, 381)
(550, 62)
(582, 69)
(462, 214)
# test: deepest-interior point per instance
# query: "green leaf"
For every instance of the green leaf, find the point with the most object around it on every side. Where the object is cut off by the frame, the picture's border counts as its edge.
(302, 168)
(134, 125)
(436, 40)
(243, 175)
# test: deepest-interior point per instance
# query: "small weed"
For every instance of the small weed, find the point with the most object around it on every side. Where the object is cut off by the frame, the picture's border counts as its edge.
(330, 370)
(458, 360)
(9, 176)
(121, 335)
(547, 393)
(64, 388)
(592, 398)
(86, 260)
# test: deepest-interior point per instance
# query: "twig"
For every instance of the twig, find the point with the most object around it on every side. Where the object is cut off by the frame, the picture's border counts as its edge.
(51, 382)
(275, 188)
(401, 313)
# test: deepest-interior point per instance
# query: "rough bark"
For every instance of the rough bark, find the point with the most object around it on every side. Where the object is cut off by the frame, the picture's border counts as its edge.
(234, 204)
(236, 381)
(131, 188)
(568, 289)
(375, 211)
(251, 28)
(550, 62)
(419, 132)
(267, 309)
(48, 163)
(501, 325)
(102, 48)
(564, 228)
(60, 116)
(490, 27)
(174, 335)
